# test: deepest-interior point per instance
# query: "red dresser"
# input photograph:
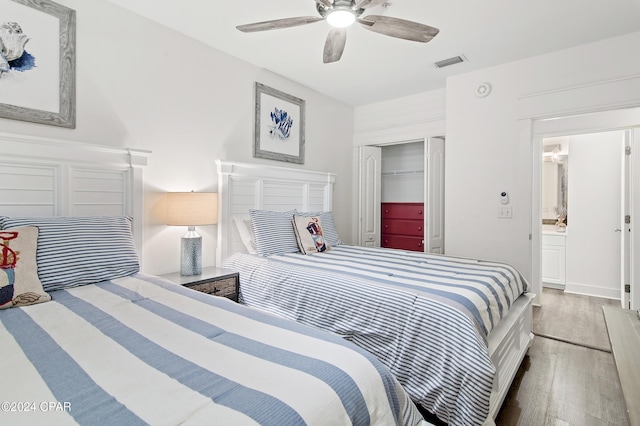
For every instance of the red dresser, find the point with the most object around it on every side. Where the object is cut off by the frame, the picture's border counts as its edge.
(403, 226)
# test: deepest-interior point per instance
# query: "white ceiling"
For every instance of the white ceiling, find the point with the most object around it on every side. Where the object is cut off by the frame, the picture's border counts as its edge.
(375, 67)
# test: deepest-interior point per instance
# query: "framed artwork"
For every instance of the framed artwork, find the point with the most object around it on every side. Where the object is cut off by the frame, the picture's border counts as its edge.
(37, 62)
(279, 125)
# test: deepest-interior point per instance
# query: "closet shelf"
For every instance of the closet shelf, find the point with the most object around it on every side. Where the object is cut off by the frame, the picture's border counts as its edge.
(402, 172)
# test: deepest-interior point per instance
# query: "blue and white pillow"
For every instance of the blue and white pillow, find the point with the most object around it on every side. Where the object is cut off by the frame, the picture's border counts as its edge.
(273, 232)
(328, 226)
(74, 251)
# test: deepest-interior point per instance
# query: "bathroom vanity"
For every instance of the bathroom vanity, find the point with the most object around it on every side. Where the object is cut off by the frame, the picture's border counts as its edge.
(553, 257)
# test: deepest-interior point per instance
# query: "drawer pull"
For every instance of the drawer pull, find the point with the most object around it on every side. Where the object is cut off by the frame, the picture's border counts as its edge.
(419, 228)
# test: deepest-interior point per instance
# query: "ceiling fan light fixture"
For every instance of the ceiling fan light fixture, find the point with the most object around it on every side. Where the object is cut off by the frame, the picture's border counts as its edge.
(341, 18)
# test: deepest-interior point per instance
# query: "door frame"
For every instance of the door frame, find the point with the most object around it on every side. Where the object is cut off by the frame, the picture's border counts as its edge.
(611, 120)
(358, 211)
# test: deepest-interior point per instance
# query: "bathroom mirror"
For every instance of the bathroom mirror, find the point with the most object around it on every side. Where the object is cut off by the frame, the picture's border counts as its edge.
(555, 172)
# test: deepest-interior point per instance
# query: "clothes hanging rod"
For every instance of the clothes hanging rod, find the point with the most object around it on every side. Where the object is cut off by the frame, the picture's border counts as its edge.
(402, 172)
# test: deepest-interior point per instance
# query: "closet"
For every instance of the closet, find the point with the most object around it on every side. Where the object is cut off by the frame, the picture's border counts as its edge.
(401, 195)
(402, 199)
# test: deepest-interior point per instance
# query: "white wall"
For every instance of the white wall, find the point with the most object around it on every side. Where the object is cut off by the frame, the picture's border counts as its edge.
(404, 119)
(489, 144)
(144, 86)
(594, 187)
(489, 140)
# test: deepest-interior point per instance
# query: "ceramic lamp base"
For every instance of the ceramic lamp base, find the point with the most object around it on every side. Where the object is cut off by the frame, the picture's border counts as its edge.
(191, 253)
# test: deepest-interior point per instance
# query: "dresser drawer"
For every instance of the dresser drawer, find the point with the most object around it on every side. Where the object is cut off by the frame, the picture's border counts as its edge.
(402, 211)
(212, 280)
(403, 226)
(402, 242)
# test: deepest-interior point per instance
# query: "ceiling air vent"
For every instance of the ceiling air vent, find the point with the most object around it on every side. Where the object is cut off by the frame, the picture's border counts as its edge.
(451, 61)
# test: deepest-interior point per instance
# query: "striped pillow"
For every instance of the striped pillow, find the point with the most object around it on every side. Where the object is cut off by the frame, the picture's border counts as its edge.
(74, 251)
(273, 232)
(328, 227)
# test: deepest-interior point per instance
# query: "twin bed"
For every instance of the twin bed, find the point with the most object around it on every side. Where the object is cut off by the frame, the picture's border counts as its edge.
(88, 339)
(453, 331)
(350, 335)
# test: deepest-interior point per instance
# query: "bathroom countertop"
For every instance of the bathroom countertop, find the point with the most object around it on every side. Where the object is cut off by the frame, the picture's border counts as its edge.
(551, 230)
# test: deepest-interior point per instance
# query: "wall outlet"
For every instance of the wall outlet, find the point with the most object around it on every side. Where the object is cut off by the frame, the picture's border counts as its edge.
(505, 213)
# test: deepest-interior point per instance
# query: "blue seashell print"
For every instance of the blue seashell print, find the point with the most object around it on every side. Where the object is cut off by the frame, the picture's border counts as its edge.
(12, 53)
(24, 62)
(281, 124)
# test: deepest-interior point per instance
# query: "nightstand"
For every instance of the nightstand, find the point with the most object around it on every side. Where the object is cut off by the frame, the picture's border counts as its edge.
(213, 280)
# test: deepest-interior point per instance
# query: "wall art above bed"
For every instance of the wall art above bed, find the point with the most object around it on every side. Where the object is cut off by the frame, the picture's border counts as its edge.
(37, 62)
(279, 125)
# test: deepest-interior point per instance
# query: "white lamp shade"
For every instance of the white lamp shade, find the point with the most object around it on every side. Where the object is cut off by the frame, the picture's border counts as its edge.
(192, 208)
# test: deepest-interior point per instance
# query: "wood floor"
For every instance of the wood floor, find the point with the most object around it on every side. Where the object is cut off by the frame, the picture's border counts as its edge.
(573, 317)
(561, 383)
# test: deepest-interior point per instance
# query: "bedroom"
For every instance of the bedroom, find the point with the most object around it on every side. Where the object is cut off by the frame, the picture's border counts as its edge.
(144, 86)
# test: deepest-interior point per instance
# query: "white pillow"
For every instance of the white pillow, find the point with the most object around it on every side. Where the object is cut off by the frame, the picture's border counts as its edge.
(246, 235)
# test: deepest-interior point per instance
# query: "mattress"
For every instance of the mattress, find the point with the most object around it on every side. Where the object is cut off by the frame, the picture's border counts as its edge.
(426, 317)
(141, 350)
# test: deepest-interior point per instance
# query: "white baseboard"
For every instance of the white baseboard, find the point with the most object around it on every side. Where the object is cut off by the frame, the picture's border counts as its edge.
(592, 290)
(553, 285)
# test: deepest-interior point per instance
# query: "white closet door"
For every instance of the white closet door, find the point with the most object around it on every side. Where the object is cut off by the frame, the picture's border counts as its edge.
(370, 175)
(434, 197)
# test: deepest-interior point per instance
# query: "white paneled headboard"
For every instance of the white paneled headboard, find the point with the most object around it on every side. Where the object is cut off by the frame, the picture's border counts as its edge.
(244, 186)
(47, 177)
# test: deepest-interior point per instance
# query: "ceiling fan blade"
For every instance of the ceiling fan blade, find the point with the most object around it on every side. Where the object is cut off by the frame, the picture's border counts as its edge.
(399, 28)
(327, 3)
(277, 24)
(334, 45)
(365, 4)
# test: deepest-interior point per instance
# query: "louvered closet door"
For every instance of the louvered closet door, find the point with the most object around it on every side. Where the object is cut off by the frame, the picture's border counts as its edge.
(369, 167)
(434, 170)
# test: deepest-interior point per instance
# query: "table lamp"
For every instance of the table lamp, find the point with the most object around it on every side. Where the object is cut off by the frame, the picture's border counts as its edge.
(191, 209)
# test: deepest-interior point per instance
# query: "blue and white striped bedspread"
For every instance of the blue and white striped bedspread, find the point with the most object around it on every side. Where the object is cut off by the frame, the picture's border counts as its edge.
(426, 317)
(141, 350)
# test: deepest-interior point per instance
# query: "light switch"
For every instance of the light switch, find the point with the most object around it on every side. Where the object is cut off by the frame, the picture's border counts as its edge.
(505, 213)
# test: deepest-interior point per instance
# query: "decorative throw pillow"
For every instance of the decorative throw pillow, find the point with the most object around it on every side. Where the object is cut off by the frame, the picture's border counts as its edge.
(19, 283)
(309, 234)
(80, 250)
(328, 226)
(273, 232)
(246, 235)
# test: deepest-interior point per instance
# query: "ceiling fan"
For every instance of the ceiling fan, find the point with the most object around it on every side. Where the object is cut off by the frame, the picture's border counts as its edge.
(342, 13)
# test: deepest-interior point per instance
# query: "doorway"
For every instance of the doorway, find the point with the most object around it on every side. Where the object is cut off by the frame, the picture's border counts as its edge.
(628, 122)
(581, 211)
